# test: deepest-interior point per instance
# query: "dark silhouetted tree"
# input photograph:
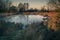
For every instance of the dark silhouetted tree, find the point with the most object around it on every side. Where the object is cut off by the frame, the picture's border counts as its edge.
(4, 5)
(13, 9)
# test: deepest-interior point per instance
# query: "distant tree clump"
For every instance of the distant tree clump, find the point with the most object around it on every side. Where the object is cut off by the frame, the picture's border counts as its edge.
(12, 9)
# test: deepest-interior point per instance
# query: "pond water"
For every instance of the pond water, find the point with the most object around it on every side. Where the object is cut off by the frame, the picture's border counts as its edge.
(25, 19)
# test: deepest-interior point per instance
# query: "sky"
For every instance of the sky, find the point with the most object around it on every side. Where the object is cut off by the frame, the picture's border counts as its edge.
(32, 3)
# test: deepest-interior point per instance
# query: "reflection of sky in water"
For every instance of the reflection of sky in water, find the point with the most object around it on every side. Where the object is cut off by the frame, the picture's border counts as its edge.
(24, 19)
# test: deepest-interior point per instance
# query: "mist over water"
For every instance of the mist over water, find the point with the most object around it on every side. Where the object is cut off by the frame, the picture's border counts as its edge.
(24, 19)
(21, 29)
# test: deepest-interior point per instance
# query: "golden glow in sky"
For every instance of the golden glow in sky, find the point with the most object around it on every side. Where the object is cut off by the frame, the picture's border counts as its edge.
(32, 3)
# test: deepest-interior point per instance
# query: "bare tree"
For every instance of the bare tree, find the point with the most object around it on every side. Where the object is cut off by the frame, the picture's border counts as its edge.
(4, 5)
(54, 3)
